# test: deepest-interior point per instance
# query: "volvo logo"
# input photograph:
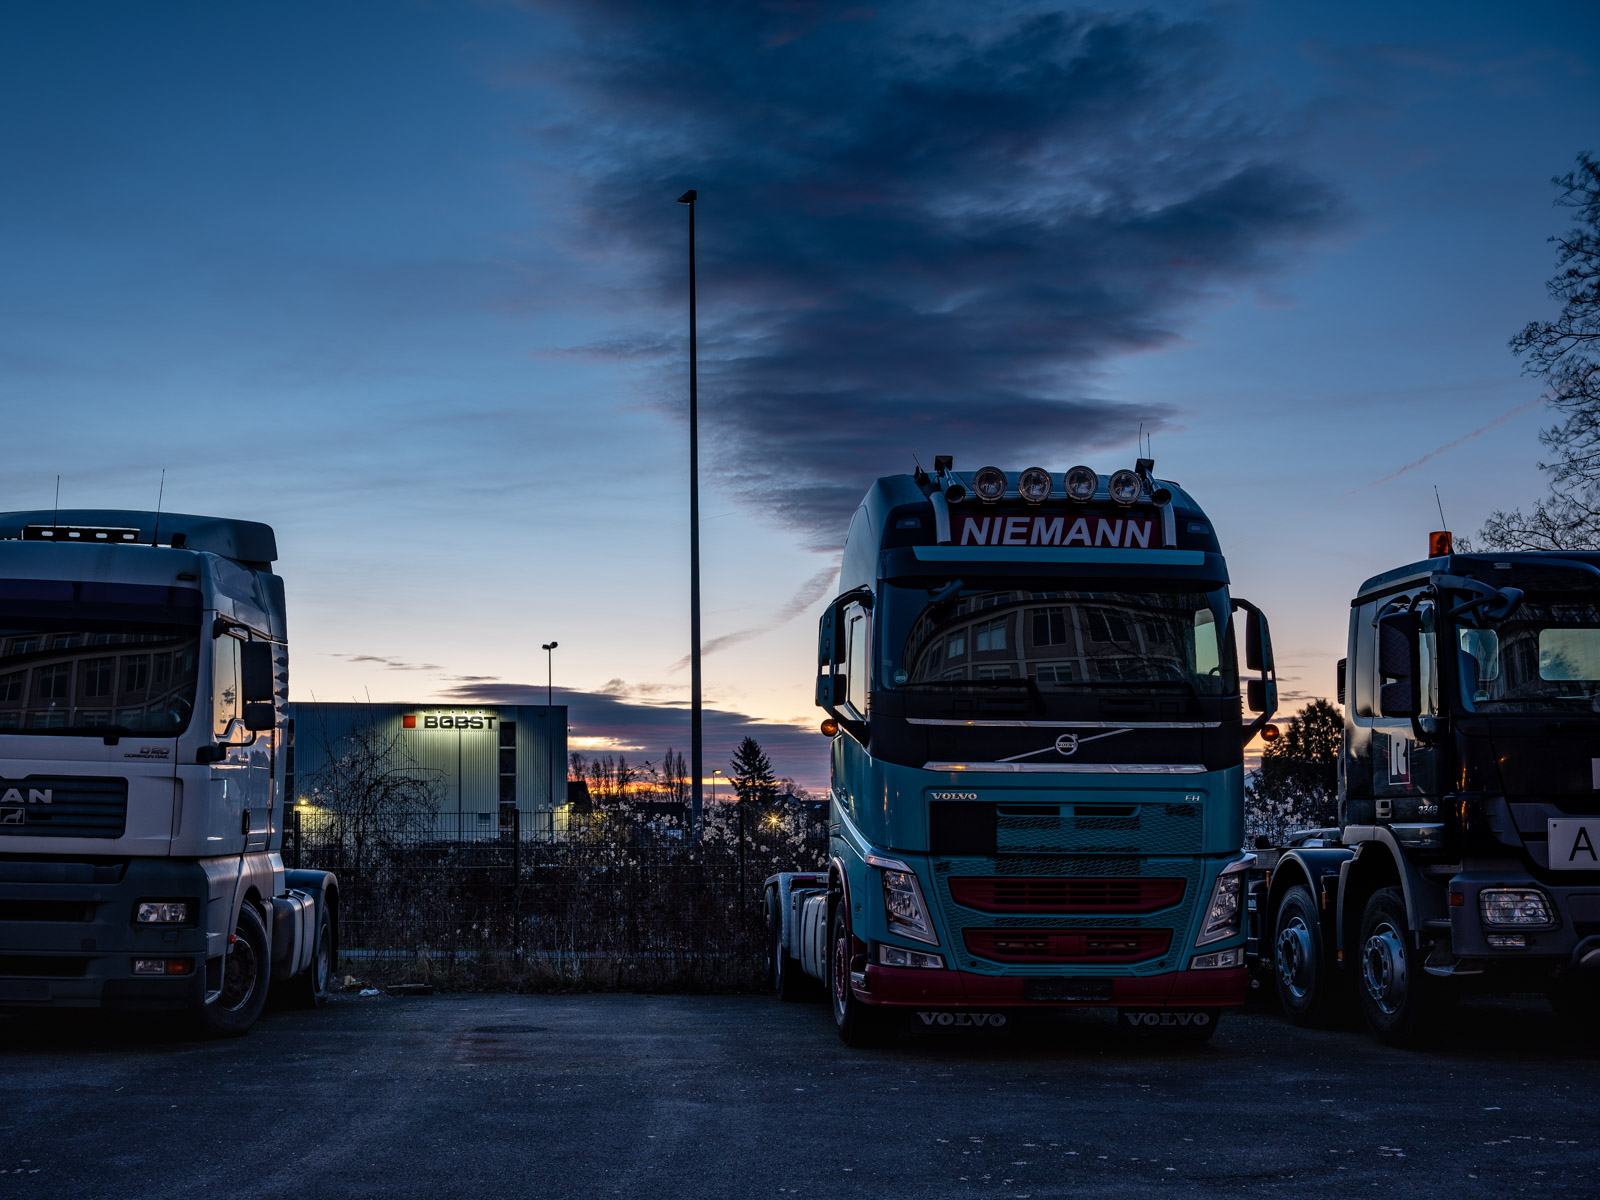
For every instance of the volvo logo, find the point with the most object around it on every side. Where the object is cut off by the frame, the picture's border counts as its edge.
(1067, 743)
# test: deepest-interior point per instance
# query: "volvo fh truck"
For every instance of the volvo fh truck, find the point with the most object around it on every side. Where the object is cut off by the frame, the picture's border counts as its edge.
(143, 762)
(1467, 853)
(1037, 734)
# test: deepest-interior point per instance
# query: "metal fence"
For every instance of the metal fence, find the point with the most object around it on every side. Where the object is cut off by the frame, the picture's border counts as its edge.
(604, 903)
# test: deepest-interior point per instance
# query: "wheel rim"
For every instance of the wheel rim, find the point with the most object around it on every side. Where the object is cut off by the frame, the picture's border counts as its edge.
(239, 971)
(1294, 959)
(841, 971)
(1383, 968)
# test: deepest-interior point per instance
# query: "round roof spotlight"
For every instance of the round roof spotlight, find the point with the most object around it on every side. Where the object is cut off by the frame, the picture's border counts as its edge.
(989, 483)
(955, 493)
(1125, 487)
(1162, 495)
(1033, 485)
(1081, 484)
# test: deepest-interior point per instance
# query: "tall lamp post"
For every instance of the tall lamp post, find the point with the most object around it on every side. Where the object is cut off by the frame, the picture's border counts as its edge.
(549, 725)
(696, 764)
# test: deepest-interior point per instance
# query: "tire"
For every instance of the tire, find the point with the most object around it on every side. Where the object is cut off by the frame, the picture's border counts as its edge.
(309, 989)
(783, 969)
(1403, 1004)
(1577, 1003)
(1299, 960)
(246, 976)
(860, 1026)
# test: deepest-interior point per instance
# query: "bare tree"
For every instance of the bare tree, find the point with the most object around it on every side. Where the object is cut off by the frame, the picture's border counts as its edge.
(370, 791)
(1565, 355)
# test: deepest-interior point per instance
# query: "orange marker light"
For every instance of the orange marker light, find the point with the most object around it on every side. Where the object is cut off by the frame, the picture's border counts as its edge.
(830, 727)
(1269, 733)
(1440, 544)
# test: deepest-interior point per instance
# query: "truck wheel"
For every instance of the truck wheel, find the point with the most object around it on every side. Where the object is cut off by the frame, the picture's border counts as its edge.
(1297, 959)
(783, 969)
(859, 1025)
(1402, 1003)
(309, 989)
(246, 975)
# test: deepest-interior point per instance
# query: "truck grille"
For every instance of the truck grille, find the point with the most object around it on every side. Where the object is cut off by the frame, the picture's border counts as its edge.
(1142, 828)
(55, 806)
(1068, 945)
(1063, 894)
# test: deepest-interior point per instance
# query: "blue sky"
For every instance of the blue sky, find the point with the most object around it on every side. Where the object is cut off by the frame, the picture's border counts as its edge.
(404, 281)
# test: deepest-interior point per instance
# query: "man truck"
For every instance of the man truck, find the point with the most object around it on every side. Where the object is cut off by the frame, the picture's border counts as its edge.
(1467, 853)
(1037, 734)
(144, 761)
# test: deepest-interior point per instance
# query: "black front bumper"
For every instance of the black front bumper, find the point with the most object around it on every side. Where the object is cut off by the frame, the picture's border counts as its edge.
(67, 937)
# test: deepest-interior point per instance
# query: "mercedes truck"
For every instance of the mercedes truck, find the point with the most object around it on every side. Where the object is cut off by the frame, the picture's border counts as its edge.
(144, 762)
(1467, 851)
(1037, 733)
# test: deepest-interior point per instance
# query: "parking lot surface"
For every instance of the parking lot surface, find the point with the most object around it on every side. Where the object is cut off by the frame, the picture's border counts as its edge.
(738, 1096)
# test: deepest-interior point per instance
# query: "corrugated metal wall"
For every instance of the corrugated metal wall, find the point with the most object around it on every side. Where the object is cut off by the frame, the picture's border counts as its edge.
(462, 744)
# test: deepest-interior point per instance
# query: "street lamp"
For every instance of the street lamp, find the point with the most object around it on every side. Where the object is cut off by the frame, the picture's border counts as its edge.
(696, 764)
(549, 726)
(714, 775)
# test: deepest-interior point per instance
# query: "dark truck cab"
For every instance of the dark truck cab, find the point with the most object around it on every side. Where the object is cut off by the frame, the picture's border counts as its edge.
(1468, 848)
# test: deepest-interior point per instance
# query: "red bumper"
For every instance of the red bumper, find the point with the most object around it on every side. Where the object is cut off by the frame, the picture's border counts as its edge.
(960, 989)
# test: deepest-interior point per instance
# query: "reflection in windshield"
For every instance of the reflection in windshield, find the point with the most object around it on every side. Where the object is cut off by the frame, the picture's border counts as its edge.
(1059, 640)
(88, 676)
(1543, 655)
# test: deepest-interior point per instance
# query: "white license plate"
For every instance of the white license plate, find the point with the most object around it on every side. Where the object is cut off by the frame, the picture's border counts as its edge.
(1575, 844)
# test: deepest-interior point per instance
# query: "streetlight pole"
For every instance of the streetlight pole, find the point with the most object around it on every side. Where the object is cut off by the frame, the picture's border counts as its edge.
(696, 764)
(549, 727)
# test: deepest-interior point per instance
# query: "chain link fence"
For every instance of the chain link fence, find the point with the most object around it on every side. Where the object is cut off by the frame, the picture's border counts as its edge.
(609, 902)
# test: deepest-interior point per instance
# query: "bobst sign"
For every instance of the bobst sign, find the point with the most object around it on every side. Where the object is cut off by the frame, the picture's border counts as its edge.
(1034, 529)
(448, 721)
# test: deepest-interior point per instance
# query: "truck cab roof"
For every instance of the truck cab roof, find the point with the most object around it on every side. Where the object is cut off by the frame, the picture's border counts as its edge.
(1557, 570)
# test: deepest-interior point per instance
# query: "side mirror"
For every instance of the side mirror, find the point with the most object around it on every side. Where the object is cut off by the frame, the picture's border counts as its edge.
(1257, 642)
(255, 673)
(1398, 668)
(1261, 695)
(260, 716)
(828, 694)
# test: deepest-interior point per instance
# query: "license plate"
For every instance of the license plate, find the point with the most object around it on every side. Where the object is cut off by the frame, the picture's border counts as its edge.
(1574, 844)
(1067, 991)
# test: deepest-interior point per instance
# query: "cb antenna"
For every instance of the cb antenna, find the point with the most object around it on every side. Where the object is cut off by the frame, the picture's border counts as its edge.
(55, 521)
(1442, 522)
(160, 495)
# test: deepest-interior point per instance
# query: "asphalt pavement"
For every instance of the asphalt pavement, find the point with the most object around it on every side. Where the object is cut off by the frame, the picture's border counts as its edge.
(741, 1096)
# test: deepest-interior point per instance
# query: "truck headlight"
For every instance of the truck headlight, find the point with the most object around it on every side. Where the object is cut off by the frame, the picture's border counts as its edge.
(162, 912)
(899, 956)
(1218, 958)
(1225, 916)
(903, 905)
(1513, 906)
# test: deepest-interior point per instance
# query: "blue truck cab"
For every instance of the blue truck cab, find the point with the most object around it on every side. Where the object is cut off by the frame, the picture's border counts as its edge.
(1037, 741)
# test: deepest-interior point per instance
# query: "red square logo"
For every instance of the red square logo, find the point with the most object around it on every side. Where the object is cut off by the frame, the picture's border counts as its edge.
(408, 722)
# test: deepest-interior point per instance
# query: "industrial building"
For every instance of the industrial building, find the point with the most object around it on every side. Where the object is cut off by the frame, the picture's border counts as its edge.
(480, 761)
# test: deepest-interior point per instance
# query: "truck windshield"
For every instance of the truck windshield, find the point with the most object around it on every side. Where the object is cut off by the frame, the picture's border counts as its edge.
(947, 633)
(1544, 656)
(97, 677)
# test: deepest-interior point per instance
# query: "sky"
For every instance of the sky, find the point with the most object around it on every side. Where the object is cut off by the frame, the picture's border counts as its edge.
(407, 281)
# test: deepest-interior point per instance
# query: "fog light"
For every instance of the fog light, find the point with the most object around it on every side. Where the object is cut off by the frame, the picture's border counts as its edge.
(1220, 958)
(989, 483)
(1033, 485)
(1081, 484)
(162, 912)
(1513, 906)
(1507, 941)
(163, 966)
(896, 956)
(1125, 487)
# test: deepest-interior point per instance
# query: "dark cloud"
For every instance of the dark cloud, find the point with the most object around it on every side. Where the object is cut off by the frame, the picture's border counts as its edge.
(394, 664)
(646, 731)
(922, 228)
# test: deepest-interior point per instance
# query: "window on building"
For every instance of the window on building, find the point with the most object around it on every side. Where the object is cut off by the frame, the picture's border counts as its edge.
(1054, 673)
(11, 687)
(999, 671)
(1107, 627)
(55, 682)
(136, 673)
(97, 676)
(956, 645)
(991, 636)
(1049, 627)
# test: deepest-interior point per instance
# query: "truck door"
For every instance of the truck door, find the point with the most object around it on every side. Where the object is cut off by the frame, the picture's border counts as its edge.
(241, 783)
(1405, 768)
